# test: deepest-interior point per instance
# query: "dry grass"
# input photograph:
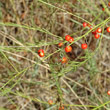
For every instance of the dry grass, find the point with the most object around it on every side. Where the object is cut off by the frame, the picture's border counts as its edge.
(27, 81)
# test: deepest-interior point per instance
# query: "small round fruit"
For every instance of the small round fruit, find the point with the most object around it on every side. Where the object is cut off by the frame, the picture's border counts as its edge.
(103, 9)
(108, 92)
(99, 30)
(88, 25)
(50, 102)
(64, 60)
(60, 44)
(94, 32)
(61, 108)
(108, 29)
(84, 46)
(96, 36)
(41, 52)
(109, 4)
(71, 40)
(67, 37)
(84, 24)
(68, 49)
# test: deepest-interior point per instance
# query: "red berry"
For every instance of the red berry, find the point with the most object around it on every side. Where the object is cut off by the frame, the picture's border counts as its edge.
(61, 108)
(108, 29)
(84, 24)
(94, 32)
(41, 52)
(108, 92)
(67, 37)
(60, 44)
(64, 60)
(99, 30)
(71, 40)
(103, 9)
(84, 46)
(68, 49)
(50, 102)
(88, 25)
(96, 36)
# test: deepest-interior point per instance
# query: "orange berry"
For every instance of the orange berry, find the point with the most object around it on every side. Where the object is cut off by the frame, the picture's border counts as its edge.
(88, 25)
(64, 60)
(71, 40)
(108, 29)
(99, 30)
(68, 49)
(84, 46)
(67, 37)
(108, 92)
(96, 36)
(60, 44)
(50, 102)
(61, 108)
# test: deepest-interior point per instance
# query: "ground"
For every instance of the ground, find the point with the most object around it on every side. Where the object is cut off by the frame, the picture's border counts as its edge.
(29, 81)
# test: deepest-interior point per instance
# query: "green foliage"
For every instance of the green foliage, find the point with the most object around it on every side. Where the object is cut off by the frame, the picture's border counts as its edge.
(54, 81)
(0, 12)
(56, 1)
(1, 108)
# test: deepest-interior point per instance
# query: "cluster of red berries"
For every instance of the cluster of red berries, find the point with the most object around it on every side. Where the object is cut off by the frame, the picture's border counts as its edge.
(96, 32)
(71, 39)
(69, 48)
